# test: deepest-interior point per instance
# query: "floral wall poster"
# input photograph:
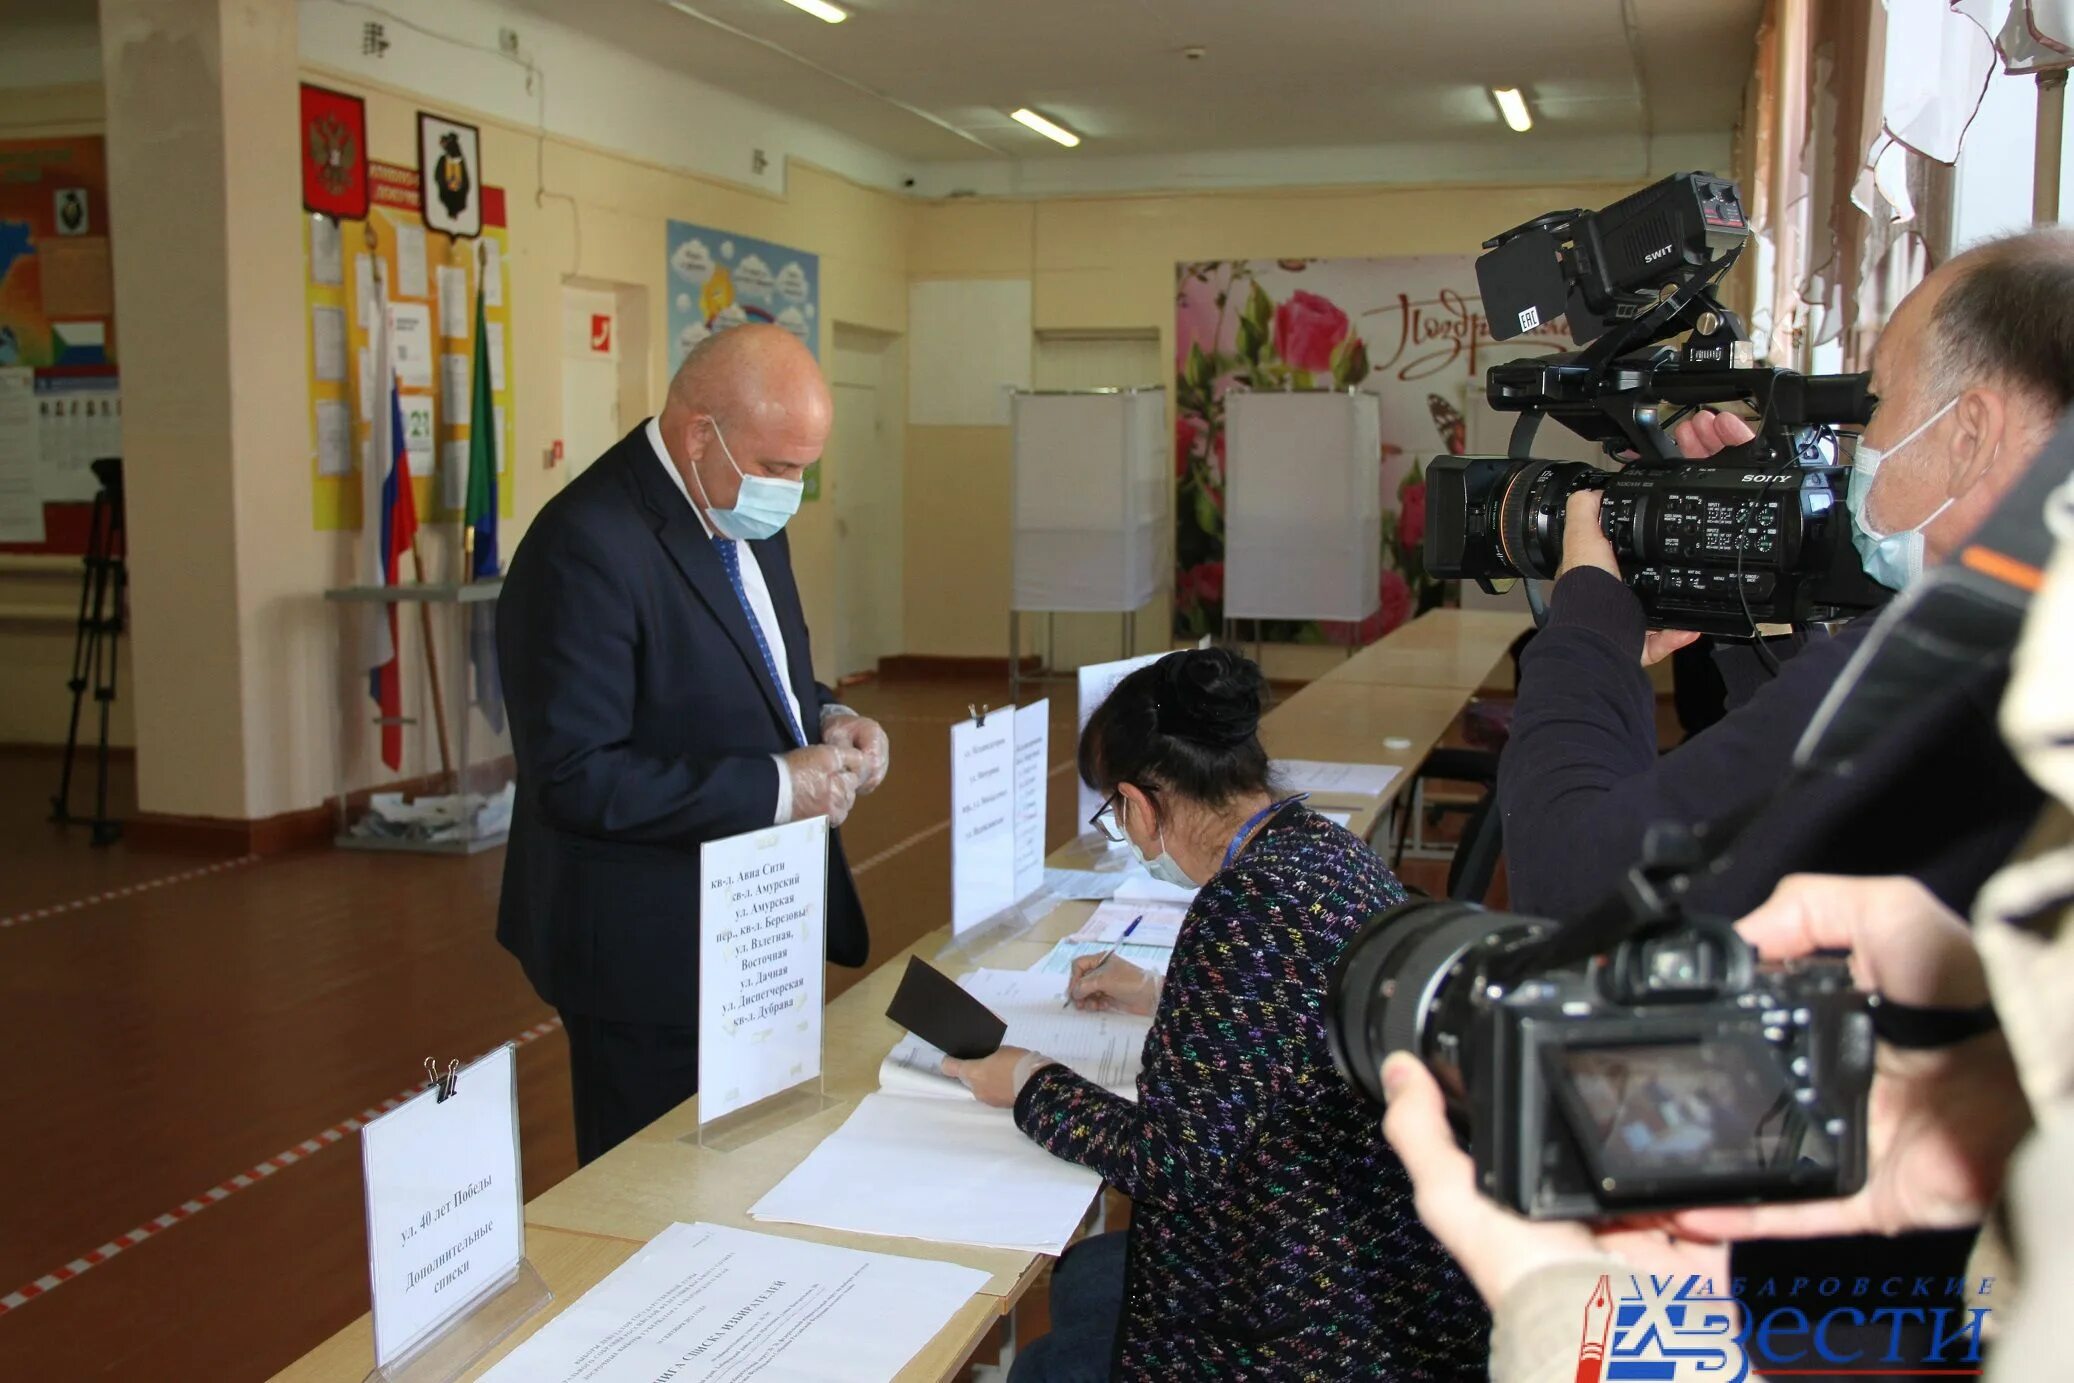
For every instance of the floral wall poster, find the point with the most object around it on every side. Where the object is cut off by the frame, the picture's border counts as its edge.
(1411, 331)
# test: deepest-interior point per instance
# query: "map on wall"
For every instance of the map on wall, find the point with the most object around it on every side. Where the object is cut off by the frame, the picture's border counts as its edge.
(1411, 331)
(720, 280)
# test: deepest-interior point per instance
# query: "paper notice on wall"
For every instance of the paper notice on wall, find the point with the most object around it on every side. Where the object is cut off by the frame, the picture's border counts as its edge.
(503, 437)
(493, 273)
(453, 303)
(78, 421)
(327, 251)
(761, 923)
(334, 438)
(417, 434)
(328, 344)
(363, 286)
(453, 389)
(982, 819)
(1032, 779)
(496, 332)
(367, 384)
(410, 262)
(21, 508)
(410, 332)
(453, 475)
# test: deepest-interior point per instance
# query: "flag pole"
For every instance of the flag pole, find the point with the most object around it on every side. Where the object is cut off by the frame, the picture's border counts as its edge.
(446, 754)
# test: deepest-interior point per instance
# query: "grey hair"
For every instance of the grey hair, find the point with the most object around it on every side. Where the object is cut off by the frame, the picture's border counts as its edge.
(2008, 318)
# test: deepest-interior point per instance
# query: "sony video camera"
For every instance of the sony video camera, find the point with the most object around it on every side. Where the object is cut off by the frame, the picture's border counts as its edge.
(1668, 1068)
(1755, 534)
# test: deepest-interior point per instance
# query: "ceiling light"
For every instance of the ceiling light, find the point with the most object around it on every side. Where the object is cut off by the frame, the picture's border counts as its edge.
(1045, 127)
(1513, 107)
(821, 10)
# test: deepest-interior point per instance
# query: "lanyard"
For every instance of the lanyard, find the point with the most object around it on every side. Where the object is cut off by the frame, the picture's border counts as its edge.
(1231, 851)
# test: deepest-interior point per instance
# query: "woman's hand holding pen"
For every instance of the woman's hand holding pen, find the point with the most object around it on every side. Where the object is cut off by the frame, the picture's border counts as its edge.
(1108, 983)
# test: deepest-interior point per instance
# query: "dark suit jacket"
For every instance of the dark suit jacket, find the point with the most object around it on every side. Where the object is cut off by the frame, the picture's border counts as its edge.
(644, 723)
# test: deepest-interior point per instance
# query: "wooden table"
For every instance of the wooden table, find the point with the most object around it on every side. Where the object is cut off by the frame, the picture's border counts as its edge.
(1442, 648)
(580, 1230)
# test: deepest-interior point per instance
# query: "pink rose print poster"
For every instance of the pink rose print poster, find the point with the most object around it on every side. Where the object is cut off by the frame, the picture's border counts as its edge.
(1411, 331)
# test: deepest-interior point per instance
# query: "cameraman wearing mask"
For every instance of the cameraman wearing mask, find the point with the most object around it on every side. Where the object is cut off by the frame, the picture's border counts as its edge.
(1973, 370)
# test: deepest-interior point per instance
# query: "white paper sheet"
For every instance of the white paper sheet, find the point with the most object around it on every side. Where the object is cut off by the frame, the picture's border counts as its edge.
(1107, 1048)
(328, 343)
(704, 1303)
(496, 334)
(1338, 818)
(1059, 959)
(1137, 886)
(982, 819)
(334, 438)
(418, 434)
(443, 1201)
(1145, 924)
(364, 292)
(368, 385)
(453, 389)
(410, 261)
(453, 475)
(1082, 885)
(493, 273)
(410, 331)
(1097, 680)
(21, 505)
(951, 1171)
(1309, 775)
(454, 317)
(327, 258)
(1032, 793)
(760, 978)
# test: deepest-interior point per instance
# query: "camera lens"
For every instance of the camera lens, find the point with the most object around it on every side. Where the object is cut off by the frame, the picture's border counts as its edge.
(1393, 988)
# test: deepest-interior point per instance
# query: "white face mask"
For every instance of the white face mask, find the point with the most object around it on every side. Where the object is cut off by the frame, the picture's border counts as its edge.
(1160, 866)
(1892, 559)
(763, 507)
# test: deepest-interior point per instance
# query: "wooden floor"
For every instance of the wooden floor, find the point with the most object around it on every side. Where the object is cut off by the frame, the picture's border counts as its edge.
(164, 1040)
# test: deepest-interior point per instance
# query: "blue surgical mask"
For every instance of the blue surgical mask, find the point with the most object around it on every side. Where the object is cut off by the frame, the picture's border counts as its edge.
(763, 507)
(1160, 866)
(1894, 560)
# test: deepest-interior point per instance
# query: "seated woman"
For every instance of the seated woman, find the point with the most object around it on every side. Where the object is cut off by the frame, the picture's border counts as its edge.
(1272, 1231)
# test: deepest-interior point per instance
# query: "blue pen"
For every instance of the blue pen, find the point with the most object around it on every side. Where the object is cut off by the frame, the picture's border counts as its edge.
(1133, 927)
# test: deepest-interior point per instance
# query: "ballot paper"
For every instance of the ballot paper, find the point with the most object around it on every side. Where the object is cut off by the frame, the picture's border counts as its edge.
(704, 1303)
(1358, 780)
(1059, 960)
(1139, 887)
(1146, 924)
(1082, 885)
(946, 1170)
(1106, 1048)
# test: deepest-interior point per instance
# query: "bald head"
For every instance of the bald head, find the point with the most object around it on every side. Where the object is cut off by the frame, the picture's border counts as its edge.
(746, 401)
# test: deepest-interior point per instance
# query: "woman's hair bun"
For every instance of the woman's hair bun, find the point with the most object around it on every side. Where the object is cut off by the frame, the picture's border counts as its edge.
(1211, 696)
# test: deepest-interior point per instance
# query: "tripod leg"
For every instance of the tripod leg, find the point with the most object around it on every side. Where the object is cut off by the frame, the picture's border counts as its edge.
(107, 830)
(82, 639)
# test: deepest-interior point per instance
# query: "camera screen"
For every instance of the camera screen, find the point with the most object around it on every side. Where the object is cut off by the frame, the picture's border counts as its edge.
(1686, 1109)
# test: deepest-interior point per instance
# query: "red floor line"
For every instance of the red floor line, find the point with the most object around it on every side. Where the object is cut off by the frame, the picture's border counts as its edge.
(36, 914)
(224, 1190)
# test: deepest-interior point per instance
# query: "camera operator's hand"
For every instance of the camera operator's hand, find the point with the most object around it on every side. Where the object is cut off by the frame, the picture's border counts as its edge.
(1585, 546)
(1495, 1247)
(1707, 432)
(1943, 1121)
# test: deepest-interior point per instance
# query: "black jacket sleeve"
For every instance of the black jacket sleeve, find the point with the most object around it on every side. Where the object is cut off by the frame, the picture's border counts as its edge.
(1581, 782)
(567, 639)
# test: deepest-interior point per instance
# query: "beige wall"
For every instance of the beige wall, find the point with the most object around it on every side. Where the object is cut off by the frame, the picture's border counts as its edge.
(1108, 264)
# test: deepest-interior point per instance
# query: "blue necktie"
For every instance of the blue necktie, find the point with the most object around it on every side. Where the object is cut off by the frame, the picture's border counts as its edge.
(731, 558)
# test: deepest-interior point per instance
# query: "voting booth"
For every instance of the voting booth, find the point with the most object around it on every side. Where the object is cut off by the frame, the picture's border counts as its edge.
(1090, 512)
(1303, 506)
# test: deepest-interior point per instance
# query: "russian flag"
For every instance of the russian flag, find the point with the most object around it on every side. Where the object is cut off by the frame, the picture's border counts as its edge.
(389, 524)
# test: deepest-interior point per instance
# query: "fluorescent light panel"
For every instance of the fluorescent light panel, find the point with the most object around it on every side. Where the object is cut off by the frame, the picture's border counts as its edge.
(1513, 107)
(1048, 129)
(821, 10)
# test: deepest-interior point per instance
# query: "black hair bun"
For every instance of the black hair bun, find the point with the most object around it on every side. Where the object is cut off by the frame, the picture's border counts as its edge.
(1211, 696)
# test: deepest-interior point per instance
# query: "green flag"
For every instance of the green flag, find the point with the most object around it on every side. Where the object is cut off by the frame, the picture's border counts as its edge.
(479, 513)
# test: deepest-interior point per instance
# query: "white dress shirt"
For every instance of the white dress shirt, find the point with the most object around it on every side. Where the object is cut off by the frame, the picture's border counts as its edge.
(759, 593)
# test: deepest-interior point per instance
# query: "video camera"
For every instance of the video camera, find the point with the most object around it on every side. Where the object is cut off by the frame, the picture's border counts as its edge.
(1755, 534)
(1668, 1069)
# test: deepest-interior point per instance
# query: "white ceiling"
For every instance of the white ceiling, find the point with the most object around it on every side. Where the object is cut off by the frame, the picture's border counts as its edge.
(1277, 74)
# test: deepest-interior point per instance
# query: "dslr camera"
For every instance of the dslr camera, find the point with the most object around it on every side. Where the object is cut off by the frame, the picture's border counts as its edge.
(1638, 1060)
(1755, 534)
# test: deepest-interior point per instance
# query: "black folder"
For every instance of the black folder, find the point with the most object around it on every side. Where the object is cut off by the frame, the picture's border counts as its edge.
(930, 1005)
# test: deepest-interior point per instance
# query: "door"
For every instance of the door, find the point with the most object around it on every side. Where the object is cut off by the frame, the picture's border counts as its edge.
(590, 375)
(864, 481)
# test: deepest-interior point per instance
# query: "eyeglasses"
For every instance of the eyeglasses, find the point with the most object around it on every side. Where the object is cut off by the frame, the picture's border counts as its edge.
(1109, 819)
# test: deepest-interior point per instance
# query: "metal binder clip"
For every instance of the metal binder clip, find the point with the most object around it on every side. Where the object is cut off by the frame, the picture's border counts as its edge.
(979, 714)
(444, 1084)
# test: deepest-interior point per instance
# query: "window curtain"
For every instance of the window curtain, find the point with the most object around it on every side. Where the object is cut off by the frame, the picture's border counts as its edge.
(1855, 115)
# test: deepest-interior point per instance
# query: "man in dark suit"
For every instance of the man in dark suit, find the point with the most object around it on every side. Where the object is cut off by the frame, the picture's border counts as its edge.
(655, 661)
